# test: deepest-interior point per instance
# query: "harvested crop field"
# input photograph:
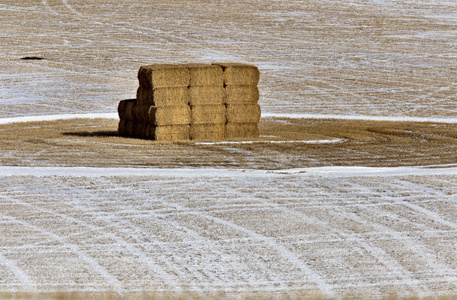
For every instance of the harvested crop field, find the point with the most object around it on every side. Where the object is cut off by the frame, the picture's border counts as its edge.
(350, 190)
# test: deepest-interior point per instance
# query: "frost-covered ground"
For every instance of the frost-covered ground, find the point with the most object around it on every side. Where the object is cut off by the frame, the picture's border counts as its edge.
(328, 231)
(325, 231)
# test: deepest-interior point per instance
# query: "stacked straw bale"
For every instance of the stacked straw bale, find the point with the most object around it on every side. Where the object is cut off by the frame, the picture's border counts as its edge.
(193, 101)
(241, 100)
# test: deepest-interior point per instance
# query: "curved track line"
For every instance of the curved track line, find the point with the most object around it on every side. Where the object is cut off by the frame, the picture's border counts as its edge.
(323, 286)
(27, 282)
(378, 253)
(132, 249)
(89, 260)
(65, 2)
(420, 248)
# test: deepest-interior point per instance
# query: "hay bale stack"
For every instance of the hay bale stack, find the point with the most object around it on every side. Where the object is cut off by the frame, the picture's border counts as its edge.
(193, 101)
(241, 98)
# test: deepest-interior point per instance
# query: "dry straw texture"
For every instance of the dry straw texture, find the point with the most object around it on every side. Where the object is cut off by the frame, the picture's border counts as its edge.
(207, 132)
(163, 96)
(206, 95)
(169, 115)
(241, 130)
(243, 113)
(121, 107)
(205, 75)
(129, 111)
(241, 94)
(208, 114)
(169, 133)
(240, 74)
(121, 127)
(163, 75)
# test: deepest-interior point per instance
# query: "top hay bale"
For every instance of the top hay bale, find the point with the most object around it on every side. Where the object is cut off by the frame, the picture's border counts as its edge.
(164, 75)
(205, 75)
(240, 74)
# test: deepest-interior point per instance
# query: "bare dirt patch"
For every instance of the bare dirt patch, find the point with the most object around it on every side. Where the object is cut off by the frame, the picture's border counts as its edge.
(284, 143)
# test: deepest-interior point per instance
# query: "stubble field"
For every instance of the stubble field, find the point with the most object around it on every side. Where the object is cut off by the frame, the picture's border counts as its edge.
(349, 191)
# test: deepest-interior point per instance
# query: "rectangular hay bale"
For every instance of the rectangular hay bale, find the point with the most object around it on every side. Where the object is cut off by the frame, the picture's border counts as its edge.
(128, 114)
(209, 132)
(208, 114)
(243, 113)
(241, 130)
(122, 106)
(166, 96)
(240, 74)
(241, 94)
(206, 95)
(169, 115)
(163, 75)
(169, 133)
(205, 75)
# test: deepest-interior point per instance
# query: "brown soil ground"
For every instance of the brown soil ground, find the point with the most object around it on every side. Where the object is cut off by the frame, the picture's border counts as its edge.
(96, 143)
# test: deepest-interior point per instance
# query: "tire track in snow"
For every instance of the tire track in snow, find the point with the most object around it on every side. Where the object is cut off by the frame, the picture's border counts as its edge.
(74, 11)
(420, 249)
(376, 252)
(131, 248)
(115, 284)
(27, 282)
(321, 283)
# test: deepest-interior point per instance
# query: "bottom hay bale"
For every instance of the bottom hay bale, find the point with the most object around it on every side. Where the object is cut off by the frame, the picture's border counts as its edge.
(241, 130)
(207, 131)
(168, 133)
(243, 113)
(121, 127)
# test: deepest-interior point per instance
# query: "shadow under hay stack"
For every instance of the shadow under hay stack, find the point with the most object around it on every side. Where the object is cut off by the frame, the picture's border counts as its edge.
(193, 102)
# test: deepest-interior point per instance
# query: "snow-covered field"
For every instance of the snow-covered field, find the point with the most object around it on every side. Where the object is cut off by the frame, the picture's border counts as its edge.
(328, 231)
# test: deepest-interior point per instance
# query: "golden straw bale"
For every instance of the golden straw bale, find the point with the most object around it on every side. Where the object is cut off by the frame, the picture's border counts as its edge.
(207, 131)
(206, 95)
(241, 130)
(163, 96)
(241, 94)
(243, 113)
(240, 74)
(121, 107)
(208, 114)
(163, 75)
(205, 75)
(169, 133)
(170, 115)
